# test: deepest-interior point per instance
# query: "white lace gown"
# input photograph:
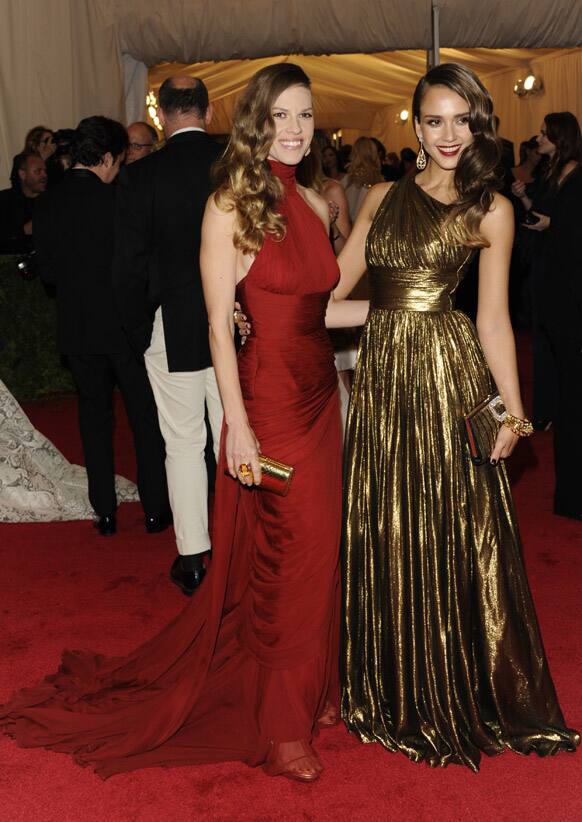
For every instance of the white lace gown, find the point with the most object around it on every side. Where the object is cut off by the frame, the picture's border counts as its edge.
(37, 484)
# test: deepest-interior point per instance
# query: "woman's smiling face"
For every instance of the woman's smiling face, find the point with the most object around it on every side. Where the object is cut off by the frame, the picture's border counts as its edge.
(294, 127)
(444, 126)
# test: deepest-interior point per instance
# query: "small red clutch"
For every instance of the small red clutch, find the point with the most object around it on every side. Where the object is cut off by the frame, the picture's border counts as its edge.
(275, 476)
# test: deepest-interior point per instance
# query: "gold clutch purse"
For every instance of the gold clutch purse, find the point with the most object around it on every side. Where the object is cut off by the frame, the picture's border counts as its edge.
(275, 476)
(481, 426)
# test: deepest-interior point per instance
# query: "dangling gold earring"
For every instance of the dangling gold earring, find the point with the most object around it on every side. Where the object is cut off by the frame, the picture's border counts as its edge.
(421, 158)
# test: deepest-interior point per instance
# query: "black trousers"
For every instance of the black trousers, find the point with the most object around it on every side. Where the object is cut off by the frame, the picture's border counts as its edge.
(545, 379)
(95, 376)
(567, 352)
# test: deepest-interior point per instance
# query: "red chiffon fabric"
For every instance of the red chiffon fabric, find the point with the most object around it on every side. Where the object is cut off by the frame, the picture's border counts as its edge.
(252, 660)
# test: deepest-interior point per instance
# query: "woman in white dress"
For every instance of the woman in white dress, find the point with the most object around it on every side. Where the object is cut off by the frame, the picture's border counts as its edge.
(37, 484)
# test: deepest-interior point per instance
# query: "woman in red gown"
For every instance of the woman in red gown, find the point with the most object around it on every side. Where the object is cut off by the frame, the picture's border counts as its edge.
(249, 669)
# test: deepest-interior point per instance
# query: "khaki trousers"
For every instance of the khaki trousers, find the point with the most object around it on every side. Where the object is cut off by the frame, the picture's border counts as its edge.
(181, 398)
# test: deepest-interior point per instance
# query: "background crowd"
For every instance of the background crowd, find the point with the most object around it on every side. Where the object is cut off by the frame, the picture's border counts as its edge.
(147, 274)
(543, 183)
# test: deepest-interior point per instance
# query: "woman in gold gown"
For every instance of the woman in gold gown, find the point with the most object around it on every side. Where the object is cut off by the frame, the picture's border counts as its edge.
(442, 657)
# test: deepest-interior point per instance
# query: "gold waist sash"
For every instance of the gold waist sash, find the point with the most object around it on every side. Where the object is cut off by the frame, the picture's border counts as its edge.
(397, 294)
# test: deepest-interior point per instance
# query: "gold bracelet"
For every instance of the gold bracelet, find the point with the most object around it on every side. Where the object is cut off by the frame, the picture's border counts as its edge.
(523, 428)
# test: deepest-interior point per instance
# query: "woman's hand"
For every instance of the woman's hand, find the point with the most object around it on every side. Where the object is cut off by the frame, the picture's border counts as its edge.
(504, 444)
(241, 322)
(334, 211)
(542, 224)
(518, 189)
(242, 449)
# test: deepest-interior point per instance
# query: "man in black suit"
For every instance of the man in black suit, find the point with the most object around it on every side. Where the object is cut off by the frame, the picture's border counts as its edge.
(29, 179)
(160, 208)
(74, 239)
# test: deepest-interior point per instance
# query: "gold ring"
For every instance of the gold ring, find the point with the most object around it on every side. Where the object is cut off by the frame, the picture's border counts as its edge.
(245, 470)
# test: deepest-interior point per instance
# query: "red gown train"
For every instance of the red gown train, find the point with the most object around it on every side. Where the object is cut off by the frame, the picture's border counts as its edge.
(252, 659)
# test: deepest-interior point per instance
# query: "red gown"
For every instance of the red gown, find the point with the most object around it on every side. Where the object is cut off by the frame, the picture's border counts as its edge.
(252, 659)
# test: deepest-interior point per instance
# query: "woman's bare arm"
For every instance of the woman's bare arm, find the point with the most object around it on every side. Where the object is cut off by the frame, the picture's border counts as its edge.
(218, 265)
(342, 226)
(346, 313)
(493, 322)
(352, 260)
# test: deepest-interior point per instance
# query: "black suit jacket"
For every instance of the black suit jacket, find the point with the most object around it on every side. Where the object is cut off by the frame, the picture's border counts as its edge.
(15, 211)
(73, 233)
(562, 284)
(160, 206)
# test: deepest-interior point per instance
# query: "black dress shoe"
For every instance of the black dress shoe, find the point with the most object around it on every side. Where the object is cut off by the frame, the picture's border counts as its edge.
(188, 572)
(107, 526)
(156, 524)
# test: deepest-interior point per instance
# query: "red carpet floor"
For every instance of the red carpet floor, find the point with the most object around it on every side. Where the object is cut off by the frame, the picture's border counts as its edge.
(62, 585)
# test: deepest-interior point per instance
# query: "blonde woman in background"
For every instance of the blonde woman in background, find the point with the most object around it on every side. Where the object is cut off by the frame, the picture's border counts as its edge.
(40, 140)
(312, 174)
(365, 171)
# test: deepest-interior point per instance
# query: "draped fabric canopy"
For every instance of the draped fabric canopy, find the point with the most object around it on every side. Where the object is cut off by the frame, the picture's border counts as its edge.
(187, 31)
(364, 93)
(67, 59)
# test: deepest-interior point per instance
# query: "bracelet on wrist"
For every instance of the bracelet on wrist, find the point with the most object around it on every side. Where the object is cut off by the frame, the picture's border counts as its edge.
(523, 428)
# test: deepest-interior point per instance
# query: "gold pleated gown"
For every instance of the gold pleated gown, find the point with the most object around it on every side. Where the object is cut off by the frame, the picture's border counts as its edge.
(442, 657)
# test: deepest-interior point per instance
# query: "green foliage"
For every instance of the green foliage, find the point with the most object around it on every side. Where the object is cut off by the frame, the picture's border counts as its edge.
(30, 364)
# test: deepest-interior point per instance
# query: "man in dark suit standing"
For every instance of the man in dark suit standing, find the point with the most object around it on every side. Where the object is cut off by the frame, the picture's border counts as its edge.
(74, 239)
(160, 207)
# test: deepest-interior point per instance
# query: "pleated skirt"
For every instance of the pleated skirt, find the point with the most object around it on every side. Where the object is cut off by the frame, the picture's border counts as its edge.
(442, 657)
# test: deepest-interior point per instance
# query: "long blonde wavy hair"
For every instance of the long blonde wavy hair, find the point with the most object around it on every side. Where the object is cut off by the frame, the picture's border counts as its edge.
(242, 176)
(365, 166)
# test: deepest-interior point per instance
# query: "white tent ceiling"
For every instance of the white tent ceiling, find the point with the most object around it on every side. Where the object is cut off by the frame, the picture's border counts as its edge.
(350, 90)
(66, 59)
(197, 30)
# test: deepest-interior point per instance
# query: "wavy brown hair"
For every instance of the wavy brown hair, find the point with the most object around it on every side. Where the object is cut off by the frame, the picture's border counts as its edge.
(563, 130)
(33, 138)
(476, 175)
(243, 177)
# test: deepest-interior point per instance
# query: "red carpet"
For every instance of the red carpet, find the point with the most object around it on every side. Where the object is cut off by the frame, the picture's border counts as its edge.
(62, 585)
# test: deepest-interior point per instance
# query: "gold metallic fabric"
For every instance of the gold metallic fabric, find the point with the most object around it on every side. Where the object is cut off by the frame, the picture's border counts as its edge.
(442, 657)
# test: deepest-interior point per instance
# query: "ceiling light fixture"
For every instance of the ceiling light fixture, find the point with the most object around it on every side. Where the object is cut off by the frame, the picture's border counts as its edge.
(530, 84)
(152, 107)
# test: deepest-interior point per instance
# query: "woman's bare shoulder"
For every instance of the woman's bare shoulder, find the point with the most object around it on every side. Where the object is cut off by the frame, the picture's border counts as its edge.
(373, 199)
(317, 202)
(331, 187)
(220, 206)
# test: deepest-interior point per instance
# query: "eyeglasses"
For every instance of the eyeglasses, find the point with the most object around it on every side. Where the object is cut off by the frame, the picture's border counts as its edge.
(137, 146)
(47, 140)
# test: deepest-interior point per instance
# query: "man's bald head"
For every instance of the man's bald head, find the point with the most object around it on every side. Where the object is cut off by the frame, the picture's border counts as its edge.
(183, 95)
(183, 81)
(31, 170)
